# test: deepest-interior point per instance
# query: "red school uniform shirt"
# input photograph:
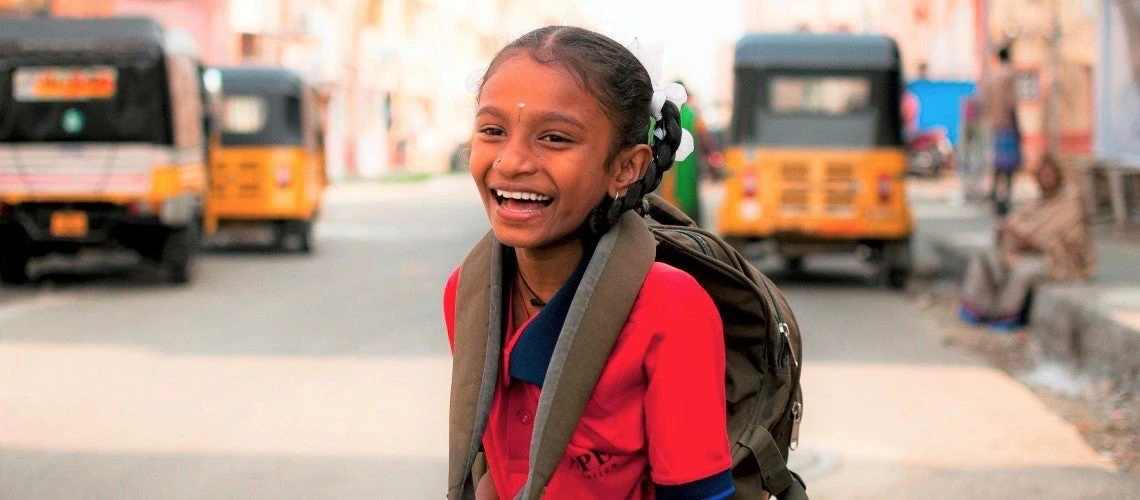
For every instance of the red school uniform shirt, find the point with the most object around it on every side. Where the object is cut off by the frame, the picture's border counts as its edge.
(655, 425)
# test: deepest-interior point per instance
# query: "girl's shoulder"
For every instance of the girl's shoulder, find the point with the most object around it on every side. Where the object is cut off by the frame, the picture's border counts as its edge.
(667, 286)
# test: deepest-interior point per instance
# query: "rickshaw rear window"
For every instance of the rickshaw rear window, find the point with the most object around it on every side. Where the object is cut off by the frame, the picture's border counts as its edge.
(821, 95)
(243, 114)
(267, 119)
(90, 100)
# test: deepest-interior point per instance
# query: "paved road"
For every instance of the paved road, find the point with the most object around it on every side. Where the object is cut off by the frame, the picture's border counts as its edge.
(279, 376)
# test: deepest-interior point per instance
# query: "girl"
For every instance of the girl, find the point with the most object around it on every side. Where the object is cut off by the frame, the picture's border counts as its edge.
(569, 136)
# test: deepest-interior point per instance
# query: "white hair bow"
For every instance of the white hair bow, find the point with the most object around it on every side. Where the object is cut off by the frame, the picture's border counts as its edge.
(650, 56)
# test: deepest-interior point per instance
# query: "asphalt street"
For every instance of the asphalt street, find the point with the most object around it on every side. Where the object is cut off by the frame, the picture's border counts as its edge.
(326, 376)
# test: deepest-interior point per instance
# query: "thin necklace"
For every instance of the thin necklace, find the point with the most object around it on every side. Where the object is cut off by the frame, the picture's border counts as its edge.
(523, 302)
(534, 300)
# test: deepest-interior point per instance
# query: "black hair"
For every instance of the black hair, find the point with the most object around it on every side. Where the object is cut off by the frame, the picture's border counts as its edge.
(1003, 53)
(614, 76)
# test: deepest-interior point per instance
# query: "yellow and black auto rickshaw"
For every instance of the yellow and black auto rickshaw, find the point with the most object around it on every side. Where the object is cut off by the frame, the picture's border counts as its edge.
(268, 168)
(816, 157)
(102, 143)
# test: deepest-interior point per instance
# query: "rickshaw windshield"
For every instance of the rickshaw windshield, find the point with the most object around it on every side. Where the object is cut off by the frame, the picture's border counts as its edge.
(815, 108)
(44, 99)
(264, 119)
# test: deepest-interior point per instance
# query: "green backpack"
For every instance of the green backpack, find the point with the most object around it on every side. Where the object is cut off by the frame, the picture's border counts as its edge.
(762, 347)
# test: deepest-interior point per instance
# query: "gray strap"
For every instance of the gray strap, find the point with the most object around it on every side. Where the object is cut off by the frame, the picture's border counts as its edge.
(597, 314)
(468, 416)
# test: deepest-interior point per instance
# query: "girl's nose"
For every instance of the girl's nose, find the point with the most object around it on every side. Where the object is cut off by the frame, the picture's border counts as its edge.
(514, 160)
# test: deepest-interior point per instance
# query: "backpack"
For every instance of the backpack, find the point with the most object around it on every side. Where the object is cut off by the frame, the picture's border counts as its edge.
(762, 349)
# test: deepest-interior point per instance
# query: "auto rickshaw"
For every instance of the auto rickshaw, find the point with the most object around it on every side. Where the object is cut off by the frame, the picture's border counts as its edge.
(268, 168)
(102, 143)
(816, 159)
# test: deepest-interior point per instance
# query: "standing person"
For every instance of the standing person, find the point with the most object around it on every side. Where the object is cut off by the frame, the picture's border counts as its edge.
(999, 105)
(569, 135)
(1041, 241)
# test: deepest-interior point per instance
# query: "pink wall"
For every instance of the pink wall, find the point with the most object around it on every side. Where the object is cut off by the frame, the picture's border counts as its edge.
(206, 20)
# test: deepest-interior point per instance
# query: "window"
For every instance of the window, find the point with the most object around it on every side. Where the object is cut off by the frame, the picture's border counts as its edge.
(243, 114)
(824, 95)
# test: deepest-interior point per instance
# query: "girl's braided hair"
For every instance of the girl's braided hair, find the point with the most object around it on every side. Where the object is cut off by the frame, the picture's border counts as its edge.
(620, 83)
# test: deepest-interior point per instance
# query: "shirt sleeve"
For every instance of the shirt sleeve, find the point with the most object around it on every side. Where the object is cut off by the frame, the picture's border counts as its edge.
(449, 291)
(685, 398)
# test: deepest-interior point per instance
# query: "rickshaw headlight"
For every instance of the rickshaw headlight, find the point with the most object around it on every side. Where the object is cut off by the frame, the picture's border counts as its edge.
(884, 188)
(749, 184)
(283, 176)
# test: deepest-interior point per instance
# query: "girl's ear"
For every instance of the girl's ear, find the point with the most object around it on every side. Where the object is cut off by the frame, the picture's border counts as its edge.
(630, 166)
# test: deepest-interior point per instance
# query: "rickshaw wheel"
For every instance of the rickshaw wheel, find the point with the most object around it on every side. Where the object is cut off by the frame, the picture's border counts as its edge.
(896, 264)
(304, 231)
(794, 264)
(14, 268)
(293, 235)
(177, 259)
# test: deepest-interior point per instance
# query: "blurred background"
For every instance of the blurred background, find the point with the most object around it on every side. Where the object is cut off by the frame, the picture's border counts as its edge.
(392, 73)
(225, 227)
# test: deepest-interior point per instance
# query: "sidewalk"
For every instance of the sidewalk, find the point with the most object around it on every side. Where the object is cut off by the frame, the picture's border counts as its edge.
(1094, 326)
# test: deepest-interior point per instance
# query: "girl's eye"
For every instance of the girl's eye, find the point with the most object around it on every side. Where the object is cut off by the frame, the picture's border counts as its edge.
(556, 138)
(491, 130)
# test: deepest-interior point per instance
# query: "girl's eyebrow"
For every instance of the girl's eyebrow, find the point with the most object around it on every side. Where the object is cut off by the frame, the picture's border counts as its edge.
(491, 110)
(548, 116)
(555, 116)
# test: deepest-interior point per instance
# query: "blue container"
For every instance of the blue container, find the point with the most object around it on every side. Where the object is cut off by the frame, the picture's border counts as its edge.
(940, 103)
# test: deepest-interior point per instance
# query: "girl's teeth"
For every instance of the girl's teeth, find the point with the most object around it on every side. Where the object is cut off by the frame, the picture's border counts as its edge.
(522, 196)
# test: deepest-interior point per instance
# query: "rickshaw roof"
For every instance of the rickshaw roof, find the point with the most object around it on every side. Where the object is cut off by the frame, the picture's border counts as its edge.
(261, 79)
(71, 34)
(817, 51)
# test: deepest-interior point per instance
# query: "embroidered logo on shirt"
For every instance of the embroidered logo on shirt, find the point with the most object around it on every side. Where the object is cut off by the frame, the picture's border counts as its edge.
(594, 464)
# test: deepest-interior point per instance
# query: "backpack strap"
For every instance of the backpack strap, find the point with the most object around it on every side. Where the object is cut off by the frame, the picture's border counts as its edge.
(597, 316)
(475, 361)
(774, 473)
(661, 211)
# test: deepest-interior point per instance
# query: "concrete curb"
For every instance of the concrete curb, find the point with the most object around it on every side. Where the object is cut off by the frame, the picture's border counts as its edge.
(1071, 322)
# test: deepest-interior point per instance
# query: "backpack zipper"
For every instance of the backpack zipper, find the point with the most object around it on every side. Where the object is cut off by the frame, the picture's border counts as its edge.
(705, 249)
(782, 326)
(797, 415)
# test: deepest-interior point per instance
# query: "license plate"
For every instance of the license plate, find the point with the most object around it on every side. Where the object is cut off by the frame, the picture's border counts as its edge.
(69, 224)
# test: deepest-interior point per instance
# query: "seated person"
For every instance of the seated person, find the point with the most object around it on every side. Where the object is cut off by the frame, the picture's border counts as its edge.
(1045, 240)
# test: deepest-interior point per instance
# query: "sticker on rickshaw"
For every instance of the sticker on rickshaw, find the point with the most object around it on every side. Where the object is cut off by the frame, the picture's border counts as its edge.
(58, 83)
(69, 224)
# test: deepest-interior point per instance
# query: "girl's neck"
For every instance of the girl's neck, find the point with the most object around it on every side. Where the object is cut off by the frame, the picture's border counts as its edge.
(547, 268)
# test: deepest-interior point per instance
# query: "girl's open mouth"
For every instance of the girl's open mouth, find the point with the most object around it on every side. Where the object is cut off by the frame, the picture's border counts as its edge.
(522, 202)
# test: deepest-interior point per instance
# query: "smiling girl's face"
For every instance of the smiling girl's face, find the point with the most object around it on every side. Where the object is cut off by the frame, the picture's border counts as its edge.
(539, 153)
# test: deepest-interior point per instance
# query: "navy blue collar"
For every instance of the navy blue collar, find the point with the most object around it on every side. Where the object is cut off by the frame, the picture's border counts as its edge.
(531, 355)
